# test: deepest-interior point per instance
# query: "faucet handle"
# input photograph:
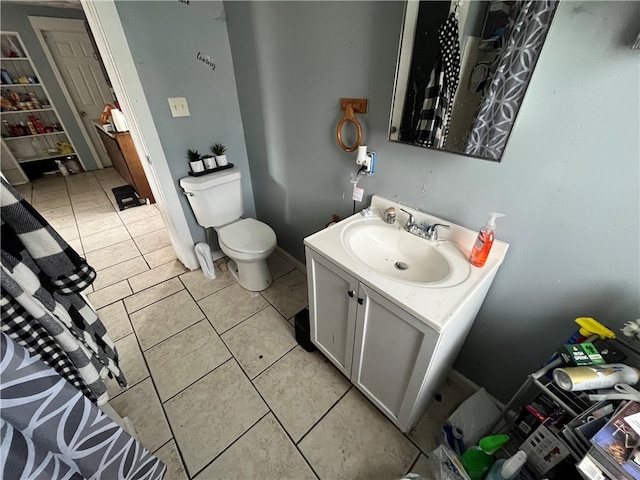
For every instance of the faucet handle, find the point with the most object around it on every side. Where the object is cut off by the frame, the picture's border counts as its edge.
(411, 217)
(411, 221)
(432, 230)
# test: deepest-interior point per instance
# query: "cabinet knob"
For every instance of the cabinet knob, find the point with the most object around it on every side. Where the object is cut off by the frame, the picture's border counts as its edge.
(360, 301)
(351, 293)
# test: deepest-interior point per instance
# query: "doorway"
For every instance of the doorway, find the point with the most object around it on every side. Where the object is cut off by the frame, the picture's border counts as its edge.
(77, 67)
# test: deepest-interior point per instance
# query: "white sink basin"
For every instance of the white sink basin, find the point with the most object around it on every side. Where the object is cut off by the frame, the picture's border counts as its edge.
(399, 255)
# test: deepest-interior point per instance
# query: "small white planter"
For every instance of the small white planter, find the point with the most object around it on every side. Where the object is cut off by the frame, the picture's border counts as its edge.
(197, 166)
(209, 162)
(221, 160)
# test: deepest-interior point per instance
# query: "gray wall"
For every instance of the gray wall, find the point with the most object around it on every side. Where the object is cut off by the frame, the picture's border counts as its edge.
(568, 181)
(165, 38)
(15, 19)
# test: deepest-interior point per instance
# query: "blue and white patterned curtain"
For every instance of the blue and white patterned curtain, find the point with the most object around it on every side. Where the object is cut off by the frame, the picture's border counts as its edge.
(515, 65)
(49, 429)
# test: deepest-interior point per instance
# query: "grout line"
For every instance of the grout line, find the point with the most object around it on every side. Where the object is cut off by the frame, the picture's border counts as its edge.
(199, 378)
(231, 444)
(269, 409)
(413, 465)
(212, 293)
(325, 414)
(241, 321)
(155, 301)
(164, 413)
(273, 363)
(172, 335)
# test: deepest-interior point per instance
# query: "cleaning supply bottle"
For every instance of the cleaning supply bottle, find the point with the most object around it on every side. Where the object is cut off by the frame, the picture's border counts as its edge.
(478, 460)
(504, 469)
(484, 241)
(62, 168)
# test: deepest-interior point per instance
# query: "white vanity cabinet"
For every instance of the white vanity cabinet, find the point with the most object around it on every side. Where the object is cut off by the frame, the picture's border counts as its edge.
(385, 352)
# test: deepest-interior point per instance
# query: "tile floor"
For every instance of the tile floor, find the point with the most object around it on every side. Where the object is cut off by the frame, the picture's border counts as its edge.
(218, 387)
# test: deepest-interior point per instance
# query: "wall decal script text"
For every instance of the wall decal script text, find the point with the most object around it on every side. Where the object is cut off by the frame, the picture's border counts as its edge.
(207, 60)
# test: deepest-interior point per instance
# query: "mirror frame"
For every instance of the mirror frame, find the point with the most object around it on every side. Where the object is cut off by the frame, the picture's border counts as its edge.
(403, 72)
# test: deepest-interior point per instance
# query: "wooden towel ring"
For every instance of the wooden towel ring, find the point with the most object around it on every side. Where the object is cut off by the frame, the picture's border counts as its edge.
(350, 107)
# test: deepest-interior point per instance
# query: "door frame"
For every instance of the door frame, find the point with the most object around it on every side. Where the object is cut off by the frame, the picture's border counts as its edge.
(41, 25)
(103, 17)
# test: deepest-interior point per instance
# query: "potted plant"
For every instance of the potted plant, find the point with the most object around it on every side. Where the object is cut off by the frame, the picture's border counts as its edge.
(195, 161)
(218, 150)
(209, 161)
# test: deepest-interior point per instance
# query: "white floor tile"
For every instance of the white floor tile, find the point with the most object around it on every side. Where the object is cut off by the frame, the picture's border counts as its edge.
(185, 357)
(300, 388)
(169, 455)
(265, 451)
(140, 403)
(165, 318)
(210, 415)
(260, 340)
(355, 440)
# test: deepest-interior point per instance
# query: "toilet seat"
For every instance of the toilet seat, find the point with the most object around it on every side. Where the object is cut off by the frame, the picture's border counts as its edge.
(248, 236)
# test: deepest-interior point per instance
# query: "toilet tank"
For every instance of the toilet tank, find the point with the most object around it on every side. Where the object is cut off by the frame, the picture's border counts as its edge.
(215, 198)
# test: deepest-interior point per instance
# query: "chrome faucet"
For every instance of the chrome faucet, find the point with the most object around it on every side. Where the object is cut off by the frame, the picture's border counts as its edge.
(430, 232)
(411, 222)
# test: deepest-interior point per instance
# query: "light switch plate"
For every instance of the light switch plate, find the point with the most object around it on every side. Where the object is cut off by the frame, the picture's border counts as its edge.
(179, 107)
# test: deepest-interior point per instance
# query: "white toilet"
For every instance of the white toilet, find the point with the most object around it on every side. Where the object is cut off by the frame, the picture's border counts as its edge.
(216, 201)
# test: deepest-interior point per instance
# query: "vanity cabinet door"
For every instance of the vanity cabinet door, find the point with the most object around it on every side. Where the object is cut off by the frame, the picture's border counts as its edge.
(333, 298)
(392, 353)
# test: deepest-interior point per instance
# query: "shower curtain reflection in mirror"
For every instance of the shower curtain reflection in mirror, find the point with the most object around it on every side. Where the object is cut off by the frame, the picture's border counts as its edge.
(463, 70)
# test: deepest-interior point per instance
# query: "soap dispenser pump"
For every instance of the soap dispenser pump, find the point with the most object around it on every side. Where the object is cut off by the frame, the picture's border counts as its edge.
(484, 241)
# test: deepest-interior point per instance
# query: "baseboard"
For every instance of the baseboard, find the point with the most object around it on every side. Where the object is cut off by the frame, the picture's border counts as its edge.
(297, 263)
(459, 379)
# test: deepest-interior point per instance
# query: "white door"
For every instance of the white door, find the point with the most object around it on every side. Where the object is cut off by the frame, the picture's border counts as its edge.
(332, 311)
(391, 355)
(80, 70)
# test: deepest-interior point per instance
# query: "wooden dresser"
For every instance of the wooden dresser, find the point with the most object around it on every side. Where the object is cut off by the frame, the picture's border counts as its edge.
(125, 160)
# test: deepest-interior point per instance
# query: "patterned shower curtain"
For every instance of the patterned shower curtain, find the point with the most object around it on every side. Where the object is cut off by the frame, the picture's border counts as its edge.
(497, 114)
(49, 429)
(435, 116)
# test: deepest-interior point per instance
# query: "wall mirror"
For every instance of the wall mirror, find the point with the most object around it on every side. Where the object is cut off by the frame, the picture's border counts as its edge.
(463, 70)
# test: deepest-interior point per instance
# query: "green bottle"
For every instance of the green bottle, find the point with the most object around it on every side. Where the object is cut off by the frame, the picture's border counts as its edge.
(478, 460)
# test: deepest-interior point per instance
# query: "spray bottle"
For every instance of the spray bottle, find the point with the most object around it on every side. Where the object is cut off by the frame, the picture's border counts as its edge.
(62, 168)
(484, 241)
(504, 469)
(478, 460)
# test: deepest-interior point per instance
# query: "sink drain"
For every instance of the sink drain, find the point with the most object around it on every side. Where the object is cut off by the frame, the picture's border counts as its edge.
(401, 265)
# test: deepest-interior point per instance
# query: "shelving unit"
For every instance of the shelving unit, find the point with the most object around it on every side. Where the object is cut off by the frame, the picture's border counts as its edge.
(573, 403)
(32, 132)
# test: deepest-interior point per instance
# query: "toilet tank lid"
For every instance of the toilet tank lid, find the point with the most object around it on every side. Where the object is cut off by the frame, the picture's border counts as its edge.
(210, 180)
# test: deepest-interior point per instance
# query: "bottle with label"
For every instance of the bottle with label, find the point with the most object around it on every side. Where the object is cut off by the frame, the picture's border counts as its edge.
(484, 241)
(505, 469)
(62, 168)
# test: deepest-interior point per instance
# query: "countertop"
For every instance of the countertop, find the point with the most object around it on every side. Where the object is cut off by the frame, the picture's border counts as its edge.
(432, 304)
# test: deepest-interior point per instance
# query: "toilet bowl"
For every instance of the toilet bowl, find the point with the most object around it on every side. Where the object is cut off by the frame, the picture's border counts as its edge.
(216, 201)
(248, 243)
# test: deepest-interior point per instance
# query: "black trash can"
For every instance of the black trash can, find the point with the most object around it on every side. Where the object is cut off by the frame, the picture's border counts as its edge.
(303, 332)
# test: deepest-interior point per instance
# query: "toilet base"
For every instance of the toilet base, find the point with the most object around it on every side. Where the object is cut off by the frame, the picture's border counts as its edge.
(253, 276)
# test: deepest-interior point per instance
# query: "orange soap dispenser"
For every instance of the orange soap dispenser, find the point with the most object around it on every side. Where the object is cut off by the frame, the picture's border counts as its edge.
(484, 241)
